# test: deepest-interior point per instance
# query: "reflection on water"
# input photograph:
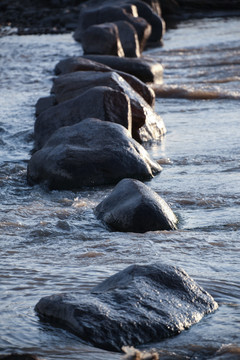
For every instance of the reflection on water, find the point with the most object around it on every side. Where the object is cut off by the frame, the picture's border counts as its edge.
(51, 242)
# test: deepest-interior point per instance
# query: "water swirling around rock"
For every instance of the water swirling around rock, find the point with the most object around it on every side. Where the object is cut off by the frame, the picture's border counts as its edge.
(51, 242)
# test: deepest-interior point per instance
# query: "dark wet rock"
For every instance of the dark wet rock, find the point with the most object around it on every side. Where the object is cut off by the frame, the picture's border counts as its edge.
(144, 68)
(146, 124)
(45, 103)
(155, 5)
(169, 8)
(157, 23)
(99, 102)
(95, 12)
(151, 12)
(134, 207)
(79, 63)
(129, 39)
(102, 39)
(15, 356)
(68, 86)
(138, 305)
(90, 153)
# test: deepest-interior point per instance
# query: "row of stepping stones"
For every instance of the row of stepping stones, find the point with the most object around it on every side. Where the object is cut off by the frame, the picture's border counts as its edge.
(91, 131)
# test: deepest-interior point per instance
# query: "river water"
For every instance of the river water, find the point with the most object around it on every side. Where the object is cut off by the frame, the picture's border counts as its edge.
(50, 242)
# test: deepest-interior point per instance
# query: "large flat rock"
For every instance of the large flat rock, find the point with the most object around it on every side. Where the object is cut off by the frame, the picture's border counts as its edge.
(146, 124)
(90, 153)
(144, 68)
(100, 102)
(138, 305)
(79, 63)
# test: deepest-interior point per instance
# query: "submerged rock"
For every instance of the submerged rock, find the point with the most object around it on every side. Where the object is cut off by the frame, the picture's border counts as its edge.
(90, 153)
(133, 206)
(138, 305)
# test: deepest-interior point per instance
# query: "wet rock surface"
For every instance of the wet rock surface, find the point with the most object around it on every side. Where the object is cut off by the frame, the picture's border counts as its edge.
(80, 63)
(69, 85)
(144, 68)
(95, 12)
(100, 102)
(138, 305)
(45, 103)
(103, 317)
(146, 124)
(102, 39)
(153, 16)
(129, 39)
(90, 153)
(133, 206)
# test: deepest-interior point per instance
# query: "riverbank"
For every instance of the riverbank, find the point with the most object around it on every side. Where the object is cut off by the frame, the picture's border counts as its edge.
(41, 17)
(61, 16)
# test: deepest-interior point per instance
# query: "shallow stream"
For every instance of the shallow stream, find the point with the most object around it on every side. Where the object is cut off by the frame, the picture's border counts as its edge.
(51, 242)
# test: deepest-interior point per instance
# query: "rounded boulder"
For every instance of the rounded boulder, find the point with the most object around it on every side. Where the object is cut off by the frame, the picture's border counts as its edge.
(90, 153)
(133, 206)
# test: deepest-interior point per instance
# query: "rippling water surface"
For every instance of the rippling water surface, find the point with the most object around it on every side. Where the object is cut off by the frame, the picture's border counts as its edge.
(50, 242)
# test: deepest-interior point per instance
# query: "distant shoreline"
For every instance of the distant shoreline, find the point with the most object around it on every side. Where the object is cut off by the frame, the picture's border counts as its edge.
(61, 16)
